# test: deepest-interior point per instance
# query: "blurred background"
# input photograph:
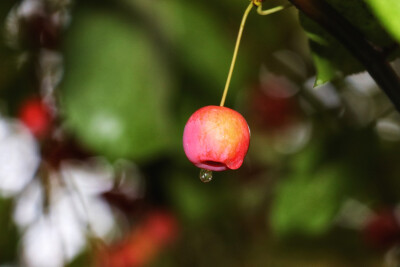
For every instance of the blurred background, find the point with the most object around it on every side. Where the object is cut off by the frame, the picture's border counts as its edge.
(94, 96)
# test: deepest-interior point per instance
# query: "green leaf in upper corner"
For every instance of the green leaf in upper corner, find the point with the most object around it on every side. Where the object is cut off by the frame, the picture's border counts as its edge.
(116, 90)
(331, 58)
(388, 13)
(306, 203)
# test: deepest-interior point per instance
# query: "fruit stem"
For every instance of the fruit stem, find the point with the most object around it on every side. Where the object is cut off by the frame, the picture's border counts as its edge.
(239, 37)
(272, 10)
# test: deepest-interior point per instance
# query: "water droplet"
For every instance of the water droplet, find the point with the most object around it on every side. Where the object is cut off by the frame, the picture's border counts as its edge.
(205, 175)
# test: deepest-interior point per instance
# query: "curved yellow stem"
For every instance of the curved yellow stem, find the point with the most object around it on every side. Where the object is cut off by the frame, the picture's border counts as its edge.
(228, 80)
(272, 10)
(239, 37)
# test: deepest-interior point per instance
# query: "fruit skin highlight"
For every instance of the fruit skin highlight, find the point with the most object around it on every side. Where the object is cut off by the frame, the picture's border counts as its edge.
(216, 138)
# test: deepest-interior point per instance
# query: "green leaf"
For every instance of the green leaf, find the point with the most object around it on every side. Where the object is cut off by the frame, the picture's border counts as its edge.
(306, 204)
(331, 58)
(388, 13)
(116, 90)
(326, 71)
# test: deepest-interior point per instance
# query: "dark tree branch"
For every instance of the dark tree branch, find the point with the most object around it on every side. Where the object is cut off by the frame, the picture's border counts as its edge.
(371, 57)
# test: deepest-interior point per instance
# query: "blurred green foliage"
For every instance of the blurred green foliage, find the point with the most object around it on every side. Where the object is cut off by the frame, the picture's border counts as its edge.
(308, 202)
(116, 91)
(387, 12)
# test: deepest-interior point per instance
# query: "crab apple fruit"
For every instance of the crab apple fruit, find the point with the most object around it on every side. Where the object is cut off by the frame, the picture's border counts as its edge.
(216, 138)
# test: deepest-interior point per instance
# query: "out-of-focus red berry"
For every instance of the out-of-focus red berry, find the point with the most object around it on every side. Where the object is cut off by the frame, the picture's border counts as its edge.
(382, 230)
(273, 104)
(162, 227)
(36, 116)
(143, 244)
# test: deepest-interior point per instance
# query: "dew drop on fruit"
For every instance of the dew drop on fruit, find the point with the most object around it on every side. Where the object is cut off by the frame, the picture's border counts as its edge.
(205, 175)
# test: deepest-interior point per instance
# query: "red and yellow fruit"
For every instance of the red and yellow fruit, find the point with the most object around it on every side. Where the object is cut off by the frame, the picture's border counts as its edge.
(216, 138)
